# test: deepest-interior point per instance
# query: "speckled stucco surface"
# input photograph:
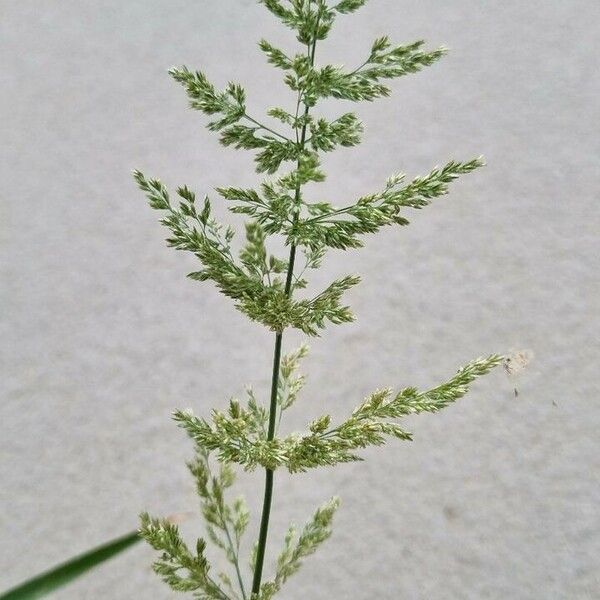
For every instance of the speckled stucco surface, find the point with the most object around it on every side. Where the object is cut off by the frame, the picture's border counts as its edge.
(102, 335)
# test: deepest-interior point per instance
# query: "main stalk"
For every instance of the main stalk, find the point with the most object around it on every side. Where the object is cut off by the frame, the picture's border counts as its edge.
(268, 495)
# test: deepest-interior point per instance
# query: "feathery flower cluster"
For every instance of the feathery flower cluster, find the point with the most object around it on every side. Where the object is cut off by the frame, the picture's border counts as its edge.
(265, 286)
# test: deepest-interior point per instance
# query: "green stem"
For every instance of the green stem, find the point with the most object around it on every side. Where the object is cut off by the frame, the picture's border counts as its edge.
(261, 126)
(218, 589)
(236, 560)
(268, 495)
(266, 510)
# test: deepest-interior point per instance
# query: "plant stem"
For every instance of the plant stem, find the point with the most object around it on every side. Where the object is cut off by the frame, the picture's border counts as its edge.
(261, 126)
(266, 510)
(268, 496)
(236, 560)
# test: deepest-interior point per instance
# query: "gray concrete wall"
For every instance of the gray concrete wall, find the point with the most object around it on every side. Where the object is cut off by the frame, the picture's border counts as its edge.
(102, 335)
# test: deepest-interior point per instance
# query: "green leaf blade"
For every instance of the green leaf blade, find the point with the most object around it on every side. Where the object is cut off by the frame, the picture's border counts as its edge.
(65, 573)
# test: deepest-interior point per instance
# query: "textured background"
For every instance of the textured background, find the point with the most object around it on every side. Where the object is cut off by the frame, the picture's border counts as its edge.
(102, 335)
